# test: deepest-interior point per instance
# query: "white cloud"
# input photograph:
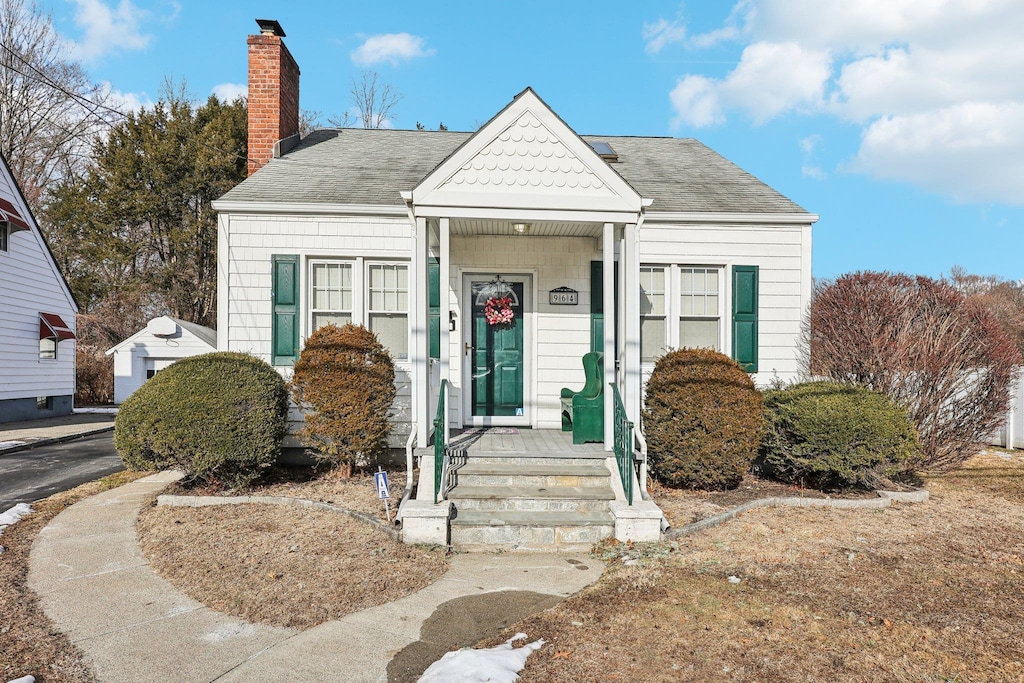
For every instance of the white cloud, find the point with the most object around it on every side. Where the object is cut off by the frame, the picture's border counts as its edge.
(392, 48)
(808, 146)
(229, 92)
(107, 29)
(660, 33)
(125, 102)
(932, 83)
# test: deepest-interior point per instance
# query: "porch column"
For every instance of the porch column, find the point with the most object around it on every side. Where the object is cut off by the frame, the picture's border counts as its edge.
(608, 254)
(420, 352)
(445, 305)
(630, 265)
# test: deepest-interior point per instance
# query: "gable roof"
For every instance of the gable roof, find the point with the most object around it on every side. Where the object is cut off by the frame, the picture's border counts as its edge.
(371, 167)
(34, 229)
(204, 334)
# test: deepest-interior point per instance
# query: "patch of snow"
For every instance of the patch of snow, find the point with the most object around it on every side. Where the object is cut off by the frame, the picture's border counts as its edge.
(24, 679)
(734, 579)
(11, 444)
(500, 664)
(13, 515)
(99, 410)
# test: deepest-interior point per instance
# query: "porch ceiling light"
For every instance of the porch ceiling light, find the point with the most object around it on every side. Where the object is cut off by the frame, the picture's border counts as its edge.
(521, 228)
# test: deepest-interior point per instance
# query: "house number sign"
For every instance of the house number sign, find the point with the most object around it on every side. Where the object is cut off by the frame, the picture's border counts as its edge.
(563, 296)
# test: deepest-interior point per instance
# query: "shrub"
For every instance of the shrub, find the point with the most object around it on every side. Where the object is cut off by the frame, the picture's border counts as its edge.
(921, 342)
(219, 417)
(345, 380)
(703, 419)
(829, 435)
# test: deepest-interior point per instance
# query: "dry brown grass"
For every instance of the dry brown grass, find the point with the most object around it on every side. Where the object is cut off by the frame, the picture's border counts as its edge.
(281, 565)
(29, 641)
(928, 592)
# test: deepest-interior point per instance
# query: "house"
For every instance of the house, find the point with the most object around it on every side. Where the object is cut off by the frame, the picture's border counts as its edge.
(622, 245)
(37, 316)
(161, 342)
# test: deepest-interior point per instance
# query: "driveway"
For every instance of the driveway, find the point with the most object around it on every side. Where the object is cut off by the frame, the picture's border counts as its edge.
(36, 473)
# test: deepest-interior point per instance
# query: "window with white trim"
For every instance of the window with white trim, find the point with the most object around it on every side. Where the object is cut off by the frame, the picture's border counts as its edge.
(652, 312)
(388, 306)
(681, 306)
(48, 348)
(370, 293)
(5, 235)
(330, 293)
(700, 315)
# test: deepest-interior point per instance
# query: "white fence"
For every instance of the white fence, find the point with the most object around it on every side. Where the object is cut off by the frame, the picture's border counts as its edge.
(1012, 435)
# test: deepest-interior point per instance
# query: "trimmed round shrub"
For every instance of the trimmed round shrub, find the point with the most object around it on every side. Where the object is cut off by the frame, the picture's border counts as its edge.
(219, 417)
(703, 419)
(345, 382)
(830, 435)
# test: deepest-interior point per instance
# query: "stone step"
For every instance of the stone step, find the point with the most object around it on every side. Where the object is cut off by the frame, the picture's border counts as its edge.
(524, 530)
(531, 498)
(488, 473)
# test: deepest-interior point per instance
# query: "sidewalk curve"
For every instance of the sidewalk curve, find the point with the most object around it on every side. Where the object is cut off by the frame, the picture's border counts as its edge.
(96, 585)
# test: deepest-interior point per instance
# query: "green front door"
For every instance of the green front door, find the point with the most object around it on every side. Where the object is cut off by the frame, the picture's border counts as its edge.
(497, 354)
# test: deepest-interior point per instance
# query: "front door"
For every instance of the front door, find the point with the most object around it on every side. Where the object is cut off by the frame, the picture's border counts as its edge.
(496, 349)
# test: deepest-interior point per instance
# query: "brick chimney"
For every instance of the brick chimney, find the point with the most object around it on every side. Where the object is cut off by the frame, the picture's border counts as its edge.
(273, 93)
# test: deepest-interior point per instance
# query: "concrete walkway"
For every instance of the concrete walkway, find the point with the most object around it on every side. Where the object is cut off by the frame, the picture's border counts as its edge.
(132, 625)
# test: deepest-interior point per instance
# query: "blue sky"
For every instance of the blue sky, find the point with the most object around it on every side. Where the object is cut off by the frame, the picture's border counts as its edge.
(899, 122)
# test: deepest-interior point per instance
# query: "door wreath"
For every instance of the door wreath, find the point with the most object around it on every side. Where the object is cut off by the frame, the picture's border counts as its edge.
(498, 311)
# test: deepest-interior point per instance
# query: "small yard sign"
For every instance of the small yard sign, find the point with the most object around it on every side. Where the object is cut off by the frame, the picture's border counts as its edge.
(380, 482)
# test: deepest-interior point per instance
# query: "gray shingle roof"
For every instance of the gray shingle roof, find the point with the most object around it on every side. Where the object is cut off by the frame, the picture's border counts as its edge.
(371, 167)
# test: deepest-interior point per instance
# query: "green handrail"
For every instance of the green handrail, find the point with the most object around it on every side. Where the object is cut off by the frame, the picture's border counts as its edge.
(623, 444)
(439, 443)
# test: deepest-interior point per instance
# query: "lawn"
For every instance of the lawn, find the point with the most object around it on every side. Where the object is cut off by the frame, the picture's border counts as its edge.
(928, 592)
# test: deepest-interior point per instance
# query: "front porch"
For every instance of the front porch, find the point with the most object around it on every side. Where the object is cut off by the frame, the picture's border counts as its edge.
(517, 488)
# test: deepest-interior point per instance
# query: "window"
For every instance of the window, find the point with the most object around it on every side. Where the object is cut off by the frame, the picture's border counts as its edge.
(699, 314)
(652, 312)
(373, 294)
(48, 348)
(5, 235)
(44, 403)
(388, 306)
(330, 294)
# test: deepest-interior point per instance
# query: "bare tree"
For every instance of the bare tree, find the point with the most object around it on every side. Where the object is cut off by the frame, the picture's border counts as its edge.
(1005, 298)
(373, 103)
(50, 111)
(939, 354)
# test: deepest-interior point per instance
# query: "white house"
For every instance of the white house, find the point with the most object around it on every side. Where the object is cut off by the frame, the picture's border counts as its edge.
(37, 316)
(622, 245)
(160, 343)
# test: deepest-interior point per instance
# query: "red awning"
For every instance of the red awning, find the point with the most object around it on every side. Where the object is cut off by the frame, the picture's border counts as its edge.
(10, 214)
(51, 326)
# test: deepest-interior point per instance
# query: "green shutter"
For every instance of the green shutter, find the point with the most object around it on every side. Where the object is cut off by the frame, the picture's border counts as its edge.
(284, 296)
(434, 306)
(596, 306)
(744, 316)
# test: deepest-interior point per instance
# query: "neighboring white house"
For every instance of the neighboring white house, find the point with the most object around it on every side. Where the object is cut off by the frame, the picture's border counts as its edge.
(160, 343)
(37, 316)
(619, 244)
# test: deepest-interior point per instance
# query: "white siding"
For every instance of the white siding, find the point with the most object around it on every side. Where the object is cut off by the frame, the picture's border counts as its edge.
(560, 334)
(783, 254)
(30, 284)
(245, 271)
(145, 351)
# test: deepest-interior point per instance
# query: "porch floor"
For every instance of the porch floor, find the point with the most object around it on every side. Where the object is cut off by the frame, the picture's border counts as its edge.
(523, 441)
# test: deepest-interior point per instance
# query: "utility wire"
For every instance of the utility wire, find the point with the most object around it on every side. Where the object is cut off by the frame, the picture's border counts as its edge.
(81, 99)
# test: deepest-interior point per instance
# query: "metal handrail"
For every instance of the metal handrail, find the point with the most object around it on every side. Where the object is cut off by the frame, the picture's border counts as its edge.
(440, 438)
(623, 444)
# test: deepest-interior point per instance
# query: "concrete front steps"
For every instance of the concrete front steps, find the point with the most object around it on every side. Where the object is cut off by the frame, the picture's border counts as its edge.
(536, 502)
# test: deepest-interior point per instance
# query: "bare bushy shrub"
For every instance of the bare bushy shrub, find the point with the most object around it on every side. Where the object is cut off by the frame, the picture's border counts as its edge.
(345, 382)
(939, 354)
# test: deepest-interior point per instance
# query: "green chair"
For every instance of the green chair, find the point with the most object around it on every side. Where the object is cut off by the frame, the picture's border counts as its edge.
(583, 411)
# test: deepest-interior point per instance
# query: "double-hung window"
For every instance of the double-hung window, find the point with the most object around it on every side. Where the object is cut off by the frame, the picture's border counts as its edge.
(388, 306)
(652, 312)
(370, 293)
(331, 299)
(700, 315)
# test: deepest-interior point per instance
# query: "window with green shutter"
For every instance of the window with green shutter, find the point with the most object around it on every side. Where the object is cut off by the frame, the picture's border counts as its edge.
(284, 296)
(744, 316)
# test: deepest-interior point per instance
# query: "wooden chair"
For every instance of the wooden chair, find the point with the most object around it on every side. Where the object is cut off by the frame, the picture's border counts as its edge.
(583, 410)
